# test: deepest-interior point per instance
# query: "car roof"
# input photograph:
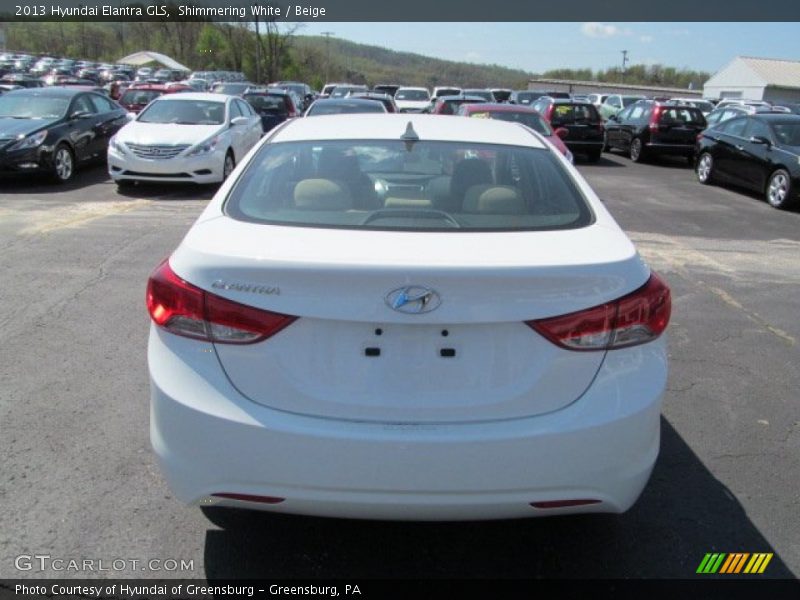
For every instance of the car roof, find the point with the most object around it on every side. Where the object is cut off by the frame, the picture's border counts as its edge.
(776, 116)
(195, 96)
(391, 126)
(418, 89)
(63, 92)
(497, 107)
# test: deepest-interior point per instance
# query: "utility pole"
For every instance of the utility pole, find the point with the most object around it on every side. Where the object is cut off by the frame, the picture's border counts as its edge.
(327, 35)
(624, 63)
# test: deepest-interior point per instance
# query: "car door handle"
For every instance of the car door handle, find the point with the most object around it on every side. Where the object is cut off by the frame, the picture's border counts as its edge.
(740, 147)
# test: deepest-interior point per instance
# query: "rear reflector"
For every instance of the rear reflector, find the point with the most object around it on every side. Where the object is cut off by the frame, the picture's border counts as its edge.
(186, 310)
(634, 319)
(563, 503)
(250, 498)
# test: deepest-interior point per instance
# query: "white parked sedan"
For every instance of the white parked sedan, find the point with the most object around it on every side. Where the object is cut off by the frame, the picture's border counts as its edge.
(184, 137)
(412, 99)
(388, 316)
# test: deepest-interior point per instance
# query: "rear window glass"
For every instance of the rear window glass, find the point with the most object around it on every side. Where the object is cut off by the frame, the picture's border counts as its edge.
(411, 95)
(421, 186)
(343, 107)
(529, 119)
(573, 113)
(680, 116)
(272, 104)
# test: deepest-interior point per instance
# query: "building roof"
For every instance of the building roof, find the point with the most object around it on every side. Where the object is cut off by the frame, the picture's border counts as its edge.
(608, 84)
(142, 58)
(774, 72)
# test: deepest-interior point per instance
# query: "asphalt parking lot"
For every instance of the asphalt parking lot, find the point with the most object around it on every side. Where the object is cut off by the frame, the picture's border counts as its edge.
(79, 480)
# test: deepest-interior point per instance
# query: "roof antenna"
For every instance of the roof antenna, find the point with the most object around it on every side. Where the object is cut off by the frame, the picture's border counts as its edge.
(409, 137)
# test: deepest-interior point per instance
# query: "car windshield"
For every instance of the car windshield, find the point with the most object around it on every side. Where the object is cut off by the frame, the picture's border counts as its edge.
(337, 108)
(628, 100)
(184, 112)
(787, 132)
(265, 103)
(25, 106)
(139, 96)
(529, 119)
(412, 95)
(420, 186)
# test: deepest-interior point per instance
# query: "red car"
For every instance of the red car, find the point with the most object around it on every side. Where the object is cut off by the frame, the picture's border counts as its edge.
(137, 96)
(518, 114)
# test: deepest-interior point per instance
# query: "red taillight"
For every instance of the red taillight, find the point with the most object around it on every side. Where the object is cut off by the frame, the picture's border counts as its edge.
(186, 310)
(655, 118)
(634, 319)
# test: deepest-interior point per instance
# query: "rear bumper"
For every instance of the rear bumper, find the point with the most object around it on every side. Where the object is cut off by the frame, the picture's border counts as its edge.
(579, 147)
(210, 439)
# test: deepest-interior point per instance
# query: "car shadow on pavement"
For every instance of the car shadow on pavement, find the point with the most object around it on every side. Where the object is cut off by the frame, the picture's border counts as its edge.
(42, 184)
(683, 513)
(582, 161)
(167, 191)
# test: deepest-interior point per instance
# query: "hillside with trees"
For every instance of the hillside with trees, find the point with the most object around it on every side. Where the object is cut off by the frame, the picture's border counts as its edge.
(278, 51)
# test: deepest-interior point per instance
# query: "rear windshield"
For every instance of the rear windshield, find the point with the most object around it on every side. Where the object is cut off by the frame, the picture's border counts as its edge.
(448, 92)
(139, 96)
(528, 97)
(411, 95)
(396, 185)
(680, 116)
(628, 100)
(272, 104)
(343, 107)
(486, 94)
(568, 114)
(532, 120)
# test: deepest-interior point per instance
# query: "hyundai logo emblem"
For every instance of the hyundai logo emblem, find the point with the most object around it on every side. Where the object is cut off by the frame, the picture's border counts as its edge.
(413, 299)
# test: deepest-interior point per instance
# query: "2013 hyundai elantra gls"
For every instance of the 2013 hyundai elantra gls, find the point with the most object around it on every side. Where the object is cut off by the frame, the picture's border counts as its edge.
(405, 317)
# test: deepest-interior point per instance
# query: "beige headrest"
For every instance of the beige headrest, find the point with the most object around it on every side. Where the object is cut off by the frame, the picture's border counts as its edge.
(322, 194)
(494, 200)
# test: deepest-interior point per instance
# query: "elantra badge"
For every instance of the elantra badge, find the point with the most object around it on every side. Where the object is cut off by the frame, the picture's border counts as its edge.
(413, 299)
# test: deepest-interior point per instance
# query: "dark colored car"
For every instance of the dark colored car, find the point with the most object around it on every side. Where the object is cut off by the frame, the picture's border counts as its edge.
(342, 91)
(273, 107)
(135, 98)
(581, 120)
(301, 90)
(760, 152)
(501, 94)
(649, 128)
(383, 88)
(448, 105)
(22, 80)
(53, 130)
(385, 99)
(336, 106)
(525, 97)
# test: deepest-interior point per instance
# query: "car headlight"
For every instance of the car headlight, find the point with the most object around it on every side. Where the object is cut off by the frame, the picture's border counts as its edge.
(116, 145)
(32, 141)
(206, 147)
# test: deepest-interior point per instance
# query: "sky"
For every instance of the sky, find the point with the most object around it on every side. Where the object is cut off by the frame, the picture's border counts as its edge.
(538, 47)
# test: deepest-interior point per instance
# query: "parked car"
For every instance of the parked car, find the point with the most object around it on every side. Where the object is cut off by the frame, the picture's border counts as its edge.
(329, 87)
(448, 105)
(385, 99)
(485, 94)
(501, 94)
(385, 88)
(597, 99)
(301, 90)
(338, 106)
(760, 152)
(615, 103)
(518, 114)
(650, 128)
(189, 137)
(412, 99)
(342, 91)
(440, 324)
(21, 80)
(704, 105)
(136, 97)
(54, 130)
(525, 97)
(232, 88)
(441, 91)
(272, 106)
(581, 120)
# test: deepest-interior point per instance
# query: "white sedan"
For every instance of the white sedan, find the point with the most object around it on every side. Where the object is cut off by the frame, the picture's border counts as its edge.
(184, 137)
(412, 99)
(391, 317)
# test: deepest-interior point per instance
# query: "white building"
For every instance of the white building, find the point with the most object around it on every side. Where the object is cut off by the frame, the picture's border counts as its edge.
(756, 79)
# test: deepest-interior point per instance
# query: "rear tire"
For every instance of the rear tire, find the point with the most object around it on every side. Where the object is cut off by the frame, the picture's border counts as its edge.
(779, 190)
(606, 147)
(637, 150)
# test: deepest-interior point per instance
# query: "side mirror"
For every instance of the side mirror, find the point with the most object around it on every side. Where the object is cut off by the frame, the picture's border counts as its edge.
(760, 139)
(562, 132)
(239, 121)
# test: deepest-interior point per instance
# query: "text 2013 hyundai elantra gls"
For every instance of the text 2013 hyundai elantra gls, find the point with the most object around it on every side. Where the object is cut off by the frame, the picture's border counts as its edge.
(405, 317)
